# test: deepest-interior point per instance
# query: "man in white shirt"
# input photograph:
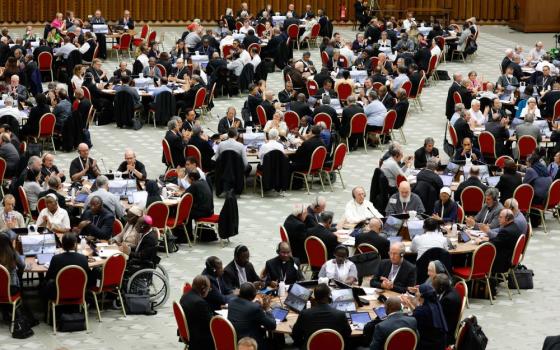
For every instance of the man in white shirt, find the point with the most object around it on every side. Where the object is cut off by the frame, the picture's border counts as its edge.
(111, 201)
(143, 57)
(477, 118)
(399, 79)
(375, 111)
(432, 238)
(255, 59)
(271, 145)
(347, 52)
(9, 108)
(244, 55)
(359, 209)
(409, 21)
(53, 217)
(65, 49)
(435, 49)
(231, 144)
(537, 52)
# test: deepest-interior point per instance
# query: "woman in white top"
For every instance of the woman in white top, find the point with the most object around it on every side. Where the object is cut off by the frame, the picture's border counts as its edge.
(246, 27)
(278, 123)
(53, 217)
(384, 43)
(340, 268)
(32, 188)
(308, 27)
(78, 77)
(531, 107)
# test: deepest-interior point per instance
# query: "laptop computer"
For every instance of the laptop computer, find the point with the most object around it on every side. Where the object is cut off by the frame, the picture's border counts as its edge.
(44, 259)
(392, 226)
(343, 300)
(38, 244)
(452, 168)
(297, 297)
(415, 227)
(447, 180)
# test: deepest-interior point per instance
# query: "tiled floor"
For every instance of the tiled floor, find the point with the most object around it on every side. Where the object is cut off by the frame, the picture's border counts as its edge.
(518, 325)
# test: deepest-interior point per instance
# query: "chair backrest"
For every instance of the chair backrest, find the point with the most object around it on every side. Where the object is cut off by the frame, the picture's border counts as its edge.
(344, 90)
(524, 194)
(432, 65)
(407, 86)
(24, 201)
(293, 31)
(238, 25)
(518, 250)
(227, 50)
(181, 322)
(374, 62)
(461, 332)
(199, 98)
(312, 87)
(187, 287)
(223, 333)
(389, 122)
(5, 294)
(46, 125)
(261, 114)
(553, 198)
(162, 69)
(376, 86)
(317, 159)
(366, 248)
(315, 31)
(324, 58)
(463, 291)
(159, 213)
(41, 204)
(452, 135)
(440, 41)
(472, 199)
(339, 155)
(316, 251)
(260, 29)
(95, 52)
(420, 87)
(291, 119)
(117, 227)
(193, 151)
(113, 271)
(152, 36)
(184, 209)
(45, 60)
(483, 259)
(2, 168)
(284, 234)
(256, 46)
(400, 178)
(401, 339)
(556, 112)
(87, 94)
(144, 32)
(71, 284)
(457, 97)
(358, 124)
(323, 117)
(460, 214)
(526, 146)
(126, 39)
(325, 339)
(167, 153)
(501, 161)
(487, 144)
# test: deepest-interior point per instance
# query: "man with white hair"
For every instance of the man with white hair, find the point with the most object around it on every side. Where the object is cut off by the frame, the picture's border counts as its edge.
(537, 52)
(16, 90)
(528, 128)
(299, 76)
(132, 168)
(10, 108)
(271, 144)
(359, 209)
(507, 60)
(404, 201)
(297, 231)
(518, 219)
(477, 117)
(314, 210)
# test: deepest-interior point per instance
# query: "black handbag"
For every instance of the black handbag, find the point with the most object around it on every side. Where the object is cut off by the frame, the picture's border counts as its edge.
(72, 322)
(138, 304)
(474, 338)
(22, 325)
(524, 278)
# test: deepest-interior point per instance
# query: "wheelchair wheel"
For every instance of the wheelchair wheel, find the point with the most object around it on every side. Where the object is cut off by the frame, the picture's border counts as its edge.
(152, 282)
(162, 269)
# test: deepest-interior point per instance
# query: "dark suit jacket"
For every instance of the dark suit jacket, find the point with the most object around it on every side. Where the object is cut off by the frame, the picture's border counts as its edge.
(60, 198)
(101, 226)
(138, 165)
(324, 234)
(301, 108)
(285, 96)
(277, 270)
(507, 185)
(60, 261)
(302, 157)
(297, 233)
(450, 103)
(381, 243)
(298, 81)
(203, 200)
(451, 305)
(231, 279)
(311, 220)
(217, 295)
(249, 319)
(250, 39)
(347, 114)
(463, 130)
(331, 112)
(548, 100)
(177, 147)
(505, 244)
(198, 314)
(501, 135)
(420, 160)
(406, 277)
(471, 181)
(431, 338)
(415, 78)
(206, 152)
(319, 317)
(223, 125)
(389, 325)
(505, 63)
(269, 109)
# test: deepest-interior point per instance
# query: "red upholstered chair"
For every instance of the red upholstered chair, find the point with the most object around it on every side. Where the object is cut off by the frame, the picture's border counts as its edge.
(167, 154)
(457, 97)
(487, 144)
(432, 64)
(515, 260)
(344, 90)
(254, 46)
(481, 266)
(315, 30)
(524, 194)
(123, 45)
(162, 69)
(325, 339)
(25, 205)
(316, 252)
(338, 160)
(526, 145)
(159, 213)
(556, 112)
(152, 36)
(400, 179)
(223, 333)
(182, 325)
(71, 287)
(552, 201)
(46, 129)
(315, 168)
(401, 339)
(226, 50)
(325, 58)
(407, 86)
(344, 60)
(291, 119)
(169, 174)
(117, 227)
(143, 34)
(182, 215)
(87, 94)
(193, 151)
(284, 234)
(388, 125)
(312, 87)
(293, 33)
(373, 62)
(187, 287)
(212, 221)
(460, 214)
(45, 62)
(358, 125)
(260, 29)
(375, 86)
(463, 291)
(199, 99)
(238, 25)
(454, 140)
(41, 204)
(323, 117)
(460, 337)
(261, 114)
(416, 98)
(366, 248)
(111, 280)
(472, 199)
(501, 161)
(6, 297)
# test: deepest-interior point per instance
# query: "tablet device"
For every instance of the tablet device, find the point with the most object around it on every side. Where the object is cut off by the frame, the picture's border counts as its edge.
(280, 314)
(392, 226)
(464, 236)
(43, 259)
(81, 197)
(343, 300)
(415, 228)
(380, 312)
(360, 317)
(297, 297)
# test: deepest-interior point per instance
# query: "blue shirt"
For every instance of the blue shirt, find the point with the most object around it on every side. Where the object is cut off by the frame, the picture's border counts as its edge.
(375, 112)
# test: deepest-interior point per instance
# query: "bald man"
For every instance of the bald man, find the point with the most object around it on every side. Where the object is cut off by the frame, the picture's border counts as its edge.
(132, 168)
(395, 273)
(372, 236)
(83, 165)
(404, 201)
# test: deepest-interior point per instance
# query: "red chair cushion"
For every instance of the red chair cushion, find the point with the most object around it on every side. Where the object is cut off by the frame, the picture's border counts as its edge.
(15, 297)
(462, 272)
(538, 206)
(214, 219)
(171, 222)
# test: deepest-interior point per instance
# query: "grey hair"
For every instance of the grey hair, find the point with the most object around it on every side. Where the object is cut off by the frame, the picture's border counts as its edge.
(273, 134)
(326, 100)
(101, 181)
(459, 107)
(9, 101)
(492, 192)
(171, 124)
(326, 216)
(196, 130)
(32, 160)
(529, 117)
(298, 209)
(432, 164)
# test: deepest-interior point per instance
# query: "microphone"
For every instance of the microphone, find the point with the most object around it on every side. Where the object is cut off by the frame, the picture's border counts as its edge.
(102, 162)
(373, 215)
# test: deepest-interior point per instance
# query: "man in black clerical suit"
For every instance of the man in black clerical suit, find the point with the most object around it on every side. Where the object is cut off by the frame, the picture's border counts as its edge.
(323, 232)
(282, 268)
(240, 270)
(198, 314)
(395, 273)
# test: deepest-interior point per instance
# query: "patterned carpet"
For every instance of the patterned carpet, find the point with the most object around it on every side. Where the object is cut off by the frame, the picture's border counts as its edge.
(508, 324)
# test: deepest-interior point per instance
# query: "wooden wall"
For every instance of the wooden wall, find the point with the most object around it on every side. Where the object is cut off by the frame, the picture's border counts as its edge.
(22, 11)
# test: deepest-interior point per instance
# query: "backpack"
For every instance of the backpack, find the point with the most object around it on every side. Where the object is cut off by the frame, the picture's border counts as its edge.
(22, 325)
(474, 338)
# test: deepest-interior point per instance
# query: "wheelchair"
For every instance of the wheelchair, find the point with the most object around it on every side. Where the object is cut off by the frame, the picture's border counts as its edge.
(147, 277)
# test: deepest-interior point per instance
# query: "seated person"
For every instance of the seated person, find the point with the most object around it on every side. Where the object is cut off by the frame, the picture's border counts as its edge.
(372, 235)
(277, 123)
(191, 165)
(375, 112)
(132, 168)
(198, 313)
(314, 211)
(129, 236)
(467, 154)
(97, 221)
(219, 294)
(445, 208)
(151, 71)
(473, 180)
(395, 273)
(232, 144)
(301, 160)
(53, 217)
(450, 303)
(10, 154)
(359, 209)
(229, 121)
(487, 217)
(432, 238)
(83, 165)
(282, 268)
(396, 319)
(240, 270)
(323, 232)
(340, 268)
(9, 218)
(110, 201)
(321, 315)
(297, 231)
(203, 201)
(145, 253)
(404, 201)
(200, 140)
(49, 168)
(423, 154)
(392, 167)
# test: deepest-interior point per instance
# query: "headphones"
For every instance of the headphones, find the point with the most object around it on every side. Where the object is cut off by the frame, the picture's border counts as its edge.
(238, 249)
(209, 266)
(341, 246)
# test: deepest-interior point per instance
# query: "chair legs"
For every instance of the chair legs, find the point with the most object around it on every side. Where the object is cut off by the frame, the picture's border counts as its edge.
(255, 185)
(514, 280)
(165, 242)
(340, 176)
(328, 175)
(86, 315)
(97, 306)
(489, 290)
(365, 142)
(14, 307)
(187, 234)
(504, 277)
(122, 301)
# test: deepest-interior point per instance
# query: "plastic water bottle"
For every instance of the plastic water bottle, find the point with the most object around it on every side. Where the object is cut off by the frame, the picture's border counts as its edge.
(281, 289)
(454, 230)
(308, 305)
(164, 193)
(83, 245)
